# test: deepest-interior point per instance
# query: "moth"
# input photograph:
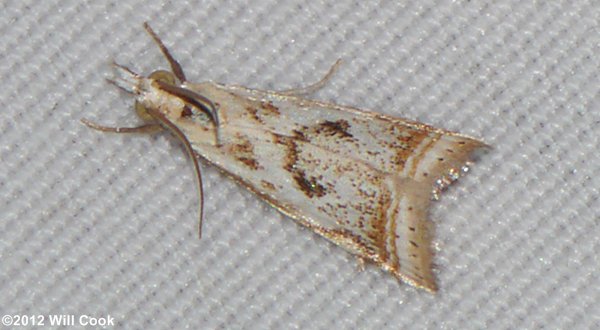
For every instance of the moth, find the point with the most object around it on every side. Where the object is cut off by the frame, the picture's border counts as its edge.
(362, 180)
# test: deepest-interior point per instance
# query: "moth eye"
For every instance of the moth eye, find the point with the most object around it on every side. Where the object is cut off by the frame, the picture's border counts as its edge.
(164, 76)
(160, 75)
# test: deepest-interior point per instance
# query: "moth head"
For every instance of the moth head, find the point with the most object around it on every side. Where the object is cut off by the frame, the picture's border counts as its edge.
(162, 96)
(161, 99)
(159, 75)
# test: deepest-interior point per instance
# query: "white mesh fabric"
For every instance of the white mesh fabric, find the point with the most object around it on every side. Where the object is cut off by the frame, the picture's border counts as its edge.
(99, 224)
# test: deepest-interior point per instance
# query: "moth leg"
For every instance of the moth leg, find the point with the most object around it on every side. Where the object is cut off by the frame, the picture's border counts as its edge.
(362, 263)
(316, 86)
(147, 128)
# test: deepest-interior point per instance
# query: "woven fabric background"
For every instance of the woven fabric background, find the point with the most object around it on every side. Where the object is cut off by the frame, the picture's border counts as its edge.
(103, 224)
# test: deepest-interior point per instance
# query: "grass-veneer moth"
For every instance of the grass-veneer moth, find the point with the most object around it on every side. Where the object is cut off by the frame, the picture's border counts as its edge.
(360, 179)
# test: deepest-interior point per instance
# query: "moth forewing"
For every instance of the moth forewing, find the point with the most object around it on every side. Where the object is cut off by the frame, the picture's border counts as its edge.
(361, 179)
(364, 181)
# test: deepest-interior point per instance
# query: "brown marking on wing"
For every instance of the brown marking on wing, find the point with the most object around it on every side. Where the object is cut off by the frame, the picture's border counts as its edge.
(250, 162)
(337, 128)
(243, 145)
(186, 112)
(262, 110)
(270, 109)
(378, 225)
(253, 113)
(300, 135)
(308, 184)
(243, 150)
(406, 145)
(268, 185)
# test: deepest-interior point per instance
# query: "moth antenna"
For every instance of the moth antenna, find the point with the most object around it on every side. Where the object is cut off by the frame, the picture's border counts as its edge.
(175, 66)
(188, 147)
